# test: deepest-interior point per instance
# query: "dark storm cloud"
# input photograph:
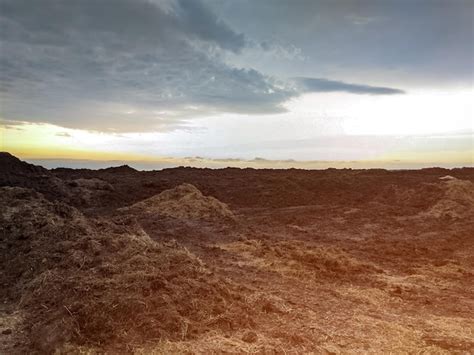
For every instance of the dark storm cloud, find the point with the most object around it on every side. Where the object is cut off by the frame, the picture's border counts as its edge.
(324, 85)
(123, 65)
(130, 65)
(137, 22)
(199, 21)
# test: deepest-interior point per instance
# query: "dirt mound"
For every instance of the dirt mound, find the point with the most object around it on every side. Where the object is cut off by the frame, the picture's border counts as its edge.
(11, 164)
(103, 283)
(90, 192)
(185, 202)
(14, 172)
(457, 200)
(79, 192)
(93, 184)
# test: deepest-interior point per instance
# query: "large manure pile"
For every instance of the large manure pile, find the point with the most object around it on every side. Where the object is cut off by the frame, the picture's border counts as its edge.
(457, 200)
(185, 202)
(103, 283)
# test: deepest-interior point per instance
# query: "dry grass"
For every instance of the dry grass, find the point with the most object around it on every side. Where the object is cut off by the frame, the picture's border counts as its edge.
(297, 259)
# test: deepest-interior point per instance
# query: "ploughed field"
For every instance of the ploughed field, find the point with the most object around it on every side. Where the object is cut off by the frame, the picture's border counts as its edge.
(236, 260)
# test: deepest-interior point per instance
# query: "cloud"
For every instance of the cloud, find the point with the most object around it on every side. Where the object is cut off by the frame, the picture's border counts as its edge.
(362, 20)
(325, 85)
(197, 20)
(131, 66)
(7, 124)
(123, 65)
(421, 43)
(63, 134)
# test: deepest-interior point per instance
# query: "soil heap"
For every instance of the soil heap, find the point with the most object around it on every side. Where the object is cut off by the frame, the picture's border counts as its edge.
(14, 172)
(457, 201)
(93, 282)
(81, 192)
(184, 202)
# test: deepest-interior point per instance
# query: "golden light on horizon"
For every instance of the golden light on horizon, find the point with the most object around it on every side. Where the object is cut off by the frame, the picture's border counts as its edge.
(411, 128)
(42, 141)
(36, 141)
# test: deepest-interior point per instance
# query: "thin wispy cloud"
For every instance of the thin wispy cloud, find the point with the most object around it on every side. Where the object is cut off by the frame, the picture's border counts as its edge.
(325, 85)
(63, 134)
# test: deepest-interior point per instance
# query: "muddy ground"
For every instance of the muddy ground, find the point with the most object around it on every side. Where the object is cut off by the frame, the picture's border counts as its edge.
(330, 261)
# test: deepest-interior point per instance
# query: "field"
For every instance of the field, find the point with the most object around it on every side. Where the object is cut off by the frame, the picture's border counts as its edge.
(236, 260)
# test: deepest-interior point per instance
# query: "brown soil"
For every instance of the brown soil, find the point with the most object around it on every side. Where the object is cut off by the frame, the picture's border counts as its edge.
(335, 261)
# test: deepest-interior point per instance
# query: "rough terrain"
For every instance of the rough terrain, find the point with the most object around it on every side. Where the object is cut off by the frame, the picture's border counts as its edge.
(236, 260)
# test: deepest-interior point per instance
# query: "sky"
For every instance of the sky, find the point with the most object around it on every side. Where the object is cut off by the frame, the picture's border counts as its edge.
(268, 83)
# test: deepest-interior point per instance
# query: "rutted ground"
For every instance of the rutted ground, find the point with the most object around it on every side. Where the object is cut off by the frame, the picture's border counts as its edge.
(275, 262)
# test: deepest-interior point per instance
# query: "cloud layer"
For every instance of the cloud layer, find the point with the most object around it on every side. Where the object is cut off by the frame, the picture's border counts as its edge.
(325, 85)
(421, 43)
(133, 66)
